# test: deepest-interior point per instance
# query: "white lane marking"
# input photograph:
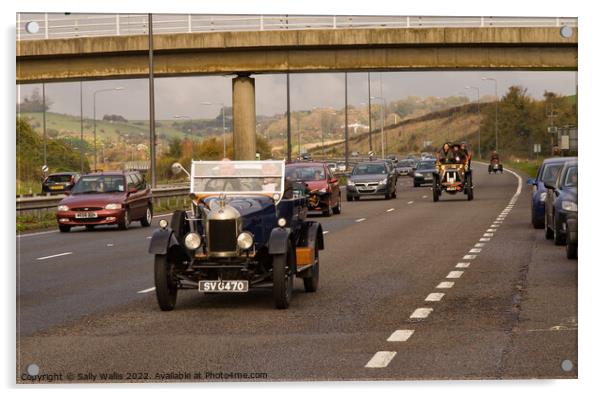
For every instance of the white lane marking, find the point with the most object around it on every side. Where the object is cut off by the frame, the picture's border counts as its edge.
(162, 215)
(149, 237)
(469, 257)
(36, 234)
(424, 196)
(391, 209)
(475, 250)
(421, 312)
(360, 220)
(496, 224)
(325, 232)
(109, 245)
(434, 297)
(490, 230)
(401, 335)
(380, 359)
(410, 202)
(478, 245)
(487, 234)
(455, 274)
(463, 264)
(144, 291)
(54, 256)
(445, 284)
(484, 239)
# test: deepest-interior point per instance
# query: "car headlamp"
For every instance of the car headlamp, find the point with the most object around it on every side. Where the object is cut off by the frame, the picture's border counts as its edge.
(383, 182)
(350, 182)
(192, 241)
(63, 208)
(569, 206)
(281, 222)
(323, 190)
(542, 196)
(417, 174)
(245, 240)
(163, 223)
(112, 206)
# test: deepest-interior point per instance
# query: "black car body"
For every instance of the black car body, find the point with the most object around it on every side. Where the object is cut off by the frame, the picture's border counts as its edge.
(372, 178)
(59, 182)
(247, 228)
(561, 205)
(424, 172)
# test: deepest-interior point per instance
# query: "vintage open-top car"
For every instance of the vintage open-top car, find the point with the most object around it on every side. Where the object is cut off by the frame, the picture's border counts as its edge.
(247, 228)
(452, 176)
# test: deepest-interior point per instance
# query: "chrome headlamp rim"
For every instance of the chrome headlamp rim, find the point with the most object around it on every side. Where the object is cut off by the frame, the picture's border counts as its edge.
(245, 240)
(192, 241)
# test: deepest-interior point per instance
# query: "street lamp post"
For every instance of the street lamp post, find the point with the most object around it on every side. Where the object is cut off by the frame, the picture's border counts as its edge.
(382, 124)
(94, 116)
(479, 115)
(44, 124)
(223, 122)
(496, 109)
(369, 113)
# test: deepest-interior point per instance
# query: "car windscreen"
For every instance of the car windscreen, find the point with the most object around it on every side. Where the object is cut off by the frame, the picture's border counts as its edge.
(570, 177)
(369, 169)
(306, 173)
(426, 165)
(550, 173)
(99, 184)
(66, 178)
(404, 163)
(240, 177)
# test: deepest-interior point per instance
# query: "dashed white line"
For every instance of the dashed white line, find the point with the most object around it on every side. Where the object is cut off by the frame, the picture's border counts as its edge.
(424, 197)
(149, 237)
(421, 312)
(490, 230)
(487, 234)
(391, 209)
(110, 245)
(463, 265)
(410, 202)
(144, 291)
(434, 297)
(445, 284)
(455, 274)
(469, 257)
(484, 239)
(325, 232)
(360, 220)
(475, 250)
(54, 256)
(401, 335)
(479, 245)
(380, 359)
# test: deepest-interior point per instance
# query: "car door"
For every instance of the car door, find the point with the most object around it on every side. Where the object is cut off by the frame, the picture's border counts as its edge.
(335, 190)
(133, 197)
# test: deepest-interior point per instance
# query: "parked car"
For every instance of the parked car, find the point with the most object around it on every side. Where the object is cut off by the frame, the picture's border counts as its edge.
(59, 182)
(106, 198)
(372, 178)
(324, 194)
(404, 167)
(424, 172)
(248, 227)
(547, 173)
(561, 204)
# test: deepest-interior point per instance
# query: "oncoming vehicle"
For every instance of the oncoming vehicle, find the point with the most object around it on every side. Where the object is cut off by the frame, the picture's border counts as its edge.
(106, 198)
(453, 177)
(372, 178)
(404, 167)
(424, 172)
(247, 228)
(59, 182)
(324, 193)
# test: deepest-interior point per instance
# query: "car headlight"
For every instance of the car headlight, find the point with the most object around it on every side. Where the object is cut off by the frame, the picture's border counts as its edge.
(542, 196)
(192, 241)
(245, 240)
(63, 208)
(323, 190)
(281, 222)
(569, 206)
(113, 206)
(350, 182)
(383, 182)
(163, 223)
(417, 174)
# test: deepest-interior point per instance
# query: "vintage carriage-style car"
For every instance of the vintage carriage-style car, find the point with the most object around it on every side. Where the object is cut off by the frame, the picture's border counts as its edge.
(247, 228)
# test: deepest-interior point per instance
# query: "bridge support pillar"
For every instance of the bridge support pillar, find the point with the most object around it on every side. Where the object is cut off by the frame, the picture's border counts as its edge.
(243, 117)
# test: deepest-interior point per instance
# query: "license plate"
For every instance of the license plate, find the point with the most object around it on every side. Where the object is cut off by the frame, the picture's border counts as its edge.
(224, 286)
(56, 187)
(86, 215)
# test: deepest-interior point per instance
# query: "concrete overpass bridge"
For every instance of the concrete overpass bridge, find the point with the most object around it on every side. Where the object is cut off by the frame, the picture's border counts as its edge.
(92, 48)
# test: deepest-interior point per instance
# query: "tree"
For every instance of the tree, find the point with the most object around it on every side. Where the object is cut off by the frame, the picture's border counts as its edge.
(34, 103)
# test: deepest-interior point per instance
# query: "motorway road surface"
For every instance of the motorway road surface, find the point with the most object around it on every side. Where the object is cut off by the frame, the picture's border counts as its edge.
(409, 289)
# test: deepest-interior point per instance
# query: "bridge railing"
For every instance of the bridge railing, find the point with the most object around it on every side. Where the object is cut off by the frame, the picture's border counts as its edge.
(31, 26)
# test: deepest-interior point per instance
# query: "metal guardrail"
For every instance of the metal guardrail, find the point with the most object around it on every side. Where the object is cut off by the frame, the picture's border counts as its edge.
(67, 25)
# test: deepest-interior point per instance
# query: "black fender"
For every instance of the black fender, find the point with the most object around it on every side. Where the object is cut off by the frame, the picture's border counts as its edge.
(571, 230)
(162, 240)
(315, 236)
(278, 242)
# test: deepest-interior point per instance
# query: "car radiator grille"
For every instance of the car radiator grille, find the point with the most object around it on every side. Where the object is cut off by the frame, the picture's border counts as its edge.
(222, 235)
(86, 209)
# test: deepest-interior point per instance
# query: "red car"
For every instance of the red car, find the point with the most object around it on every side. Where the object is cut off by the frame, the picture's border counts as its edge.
(106, 198)
(323, 187)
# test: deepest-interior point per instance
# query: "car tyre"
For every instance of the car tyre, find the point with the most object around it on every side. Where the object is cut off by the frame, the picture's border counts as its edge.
(64, 228)
(89, 227)
(337, 208)
(537, 223)
(125, 223)
(571, 250)
(148, 217)
(328, 210)
(416, 184)
(283, 278)
(549, 232)
(349, 198)
(559, 238)
(166, 287)
(310, 283)
(394, 194)
(469, 189)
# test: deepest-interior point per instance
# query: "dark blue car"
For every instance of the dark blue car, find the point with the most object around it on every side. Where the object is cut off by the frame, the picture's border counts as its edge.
(561, 204)
(547, 173)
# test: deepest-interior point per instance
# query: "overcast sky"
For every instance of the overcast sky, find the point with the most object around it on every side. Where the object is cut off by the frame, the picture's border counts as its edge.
(184, 95)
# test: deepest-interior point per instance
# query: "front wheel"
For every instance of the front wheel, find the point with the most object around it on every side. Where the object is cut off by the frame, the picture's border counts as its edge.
(549, 232)
(328, 210)
(125, 223)
(283, 279)
(311, 282)
(571, 250)
(349, 197)
(469, 189)
(559, 238)
(64, 228)
(148, 217)
(337, 208)
(166, 286)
